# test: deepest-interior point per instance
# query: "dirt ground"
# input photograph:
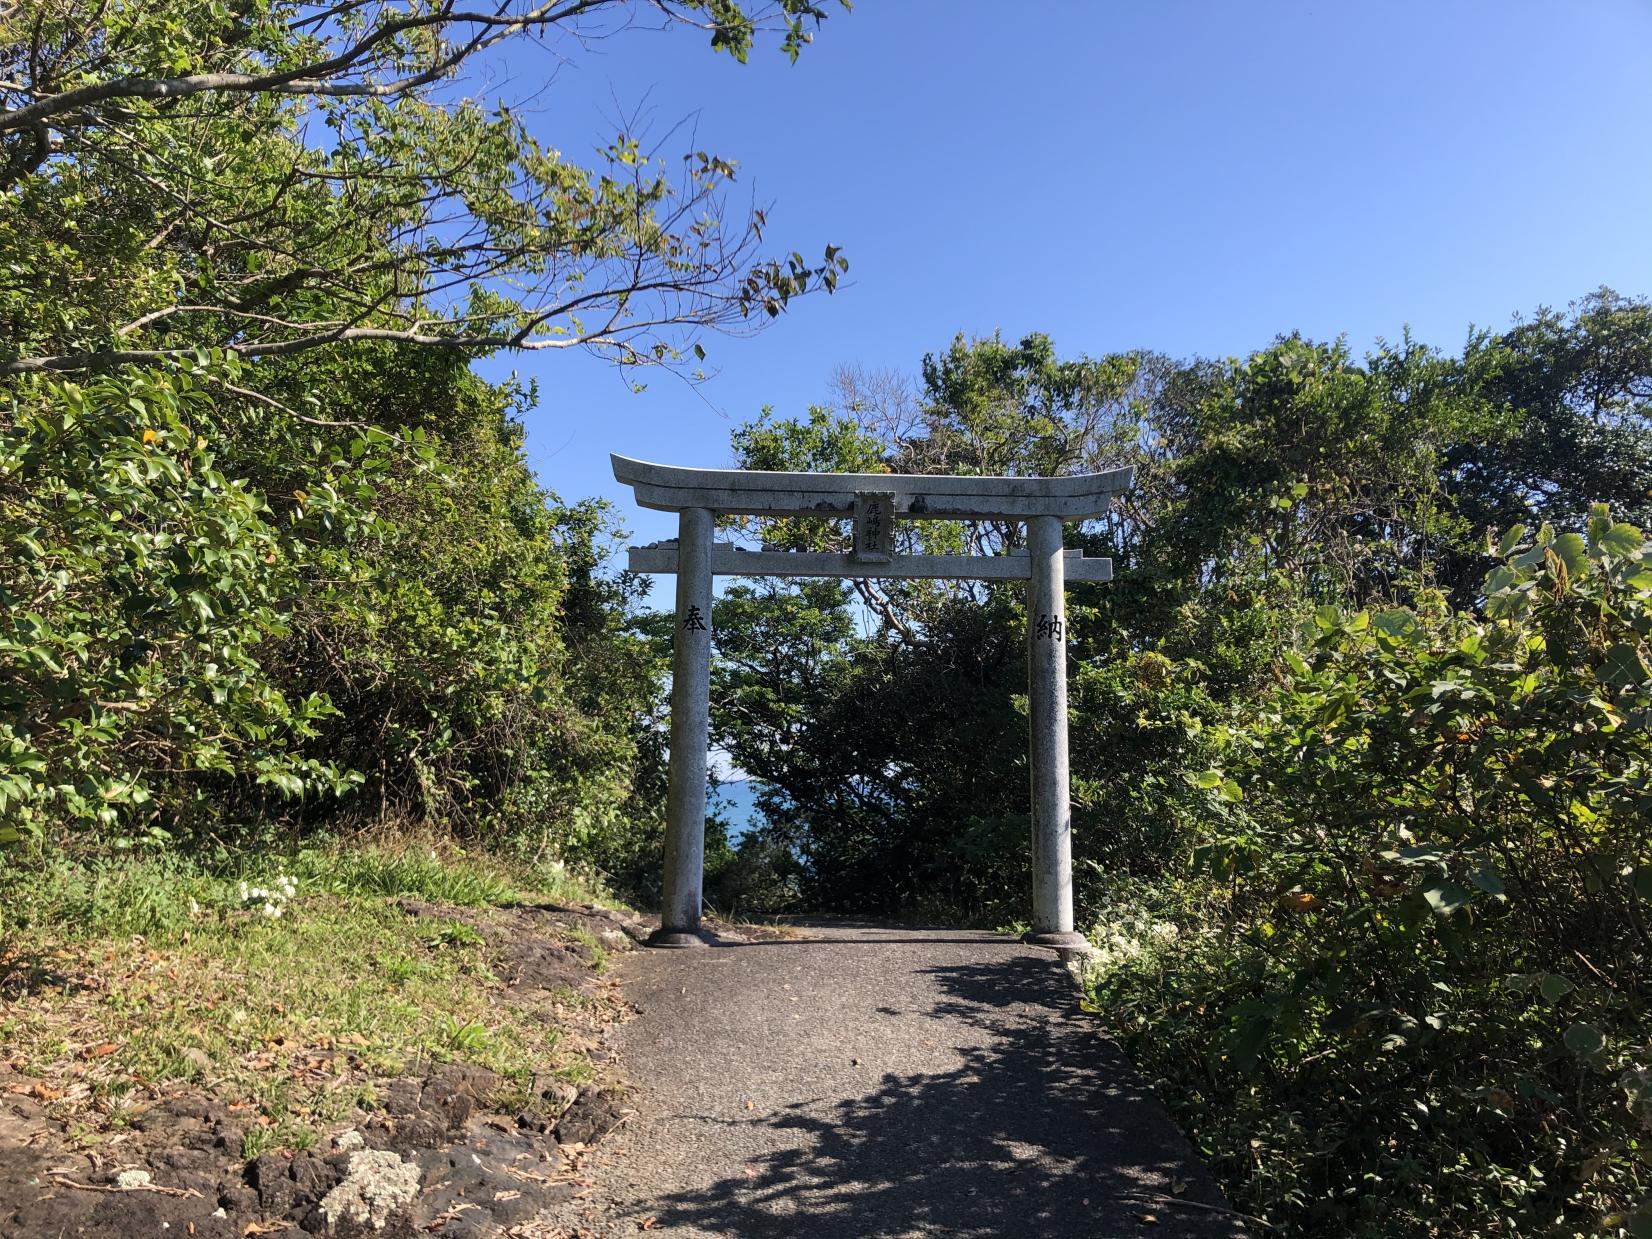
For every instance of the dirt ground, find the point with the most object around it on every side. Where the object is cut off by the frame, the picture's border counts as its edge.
(431, 1154)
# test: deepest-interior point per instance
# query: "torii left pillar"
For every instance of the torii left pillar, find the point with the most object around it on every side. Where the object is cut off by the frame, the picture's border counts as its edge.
(685, 805)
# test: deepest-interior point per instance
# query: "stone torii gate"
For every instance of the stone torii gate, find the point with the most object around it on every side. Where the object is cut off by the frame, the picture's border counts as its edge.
(875, 501)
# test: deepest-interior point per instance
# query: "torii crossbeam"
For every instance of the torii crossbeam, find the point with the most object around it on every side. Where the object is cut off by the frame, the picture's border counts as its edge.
(874, 501)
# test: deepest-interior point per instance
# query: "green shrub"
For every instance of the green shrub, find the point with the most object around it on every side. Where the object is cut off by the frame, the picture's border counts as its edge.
(222, 626)
(149, 895)
(1404, 990)
(140, 582)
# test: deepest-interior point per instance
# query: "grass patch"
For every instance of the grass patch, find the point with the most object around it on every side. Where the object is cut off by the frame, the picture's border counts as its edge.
(473, 882)
(160, 894)
(598, 954)
(119, 981)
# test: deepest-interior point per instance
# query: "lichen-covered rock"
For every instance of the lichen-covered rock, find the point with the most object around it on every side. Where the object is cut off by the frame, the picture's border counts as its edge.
(376, 1185)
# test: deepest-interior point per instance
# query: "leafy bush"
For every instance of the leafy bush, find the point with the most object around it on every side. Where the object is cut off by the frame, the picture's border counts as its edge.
(140, 582)
(227, 623)
(1403, 991)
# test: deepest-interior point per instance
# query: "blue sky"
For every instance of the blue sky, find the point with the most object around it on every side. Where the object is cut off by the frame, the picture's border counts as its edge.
(1187, 177)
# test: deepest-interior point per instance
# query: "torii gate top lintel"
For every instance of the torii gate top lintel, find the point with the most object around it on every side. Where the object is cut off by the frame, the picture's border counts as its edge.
(917, 496)
(874, 501)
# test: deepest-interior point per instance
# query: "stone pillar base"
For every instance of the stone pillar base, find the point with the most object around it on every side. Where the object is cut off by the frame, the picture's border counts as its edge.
(676, 938)
(1060, 941)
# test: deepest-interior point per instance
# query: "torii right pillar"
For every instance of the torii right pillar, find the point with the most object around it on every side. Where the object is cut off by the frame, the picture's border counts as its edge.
(1052, 810)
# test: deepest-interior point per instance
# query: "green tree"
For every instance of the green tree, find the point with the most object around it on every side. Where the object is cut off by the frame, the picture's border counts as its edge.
(1575, 395)
(282, 176)
(266, 539)
(142, 583)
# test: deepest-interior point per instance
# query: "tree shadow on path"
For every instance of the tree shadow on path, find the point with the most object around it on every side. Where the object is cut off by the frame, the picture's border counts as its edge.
(1043, 1128)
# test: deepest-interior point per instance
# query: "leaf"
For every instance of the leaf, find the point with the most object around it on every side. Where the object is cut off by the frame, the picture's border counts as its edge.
(1600, 520)
(1554, 987)
(1397, 624)
(1622, 539)
(1510, 539)
(1571, 551)
(1585, 1040)
(1420, 854)
(1488, 880)
(1530, 558)
(1246, 1044)
(1622, 667)
(1641, 882)
(1446, 897)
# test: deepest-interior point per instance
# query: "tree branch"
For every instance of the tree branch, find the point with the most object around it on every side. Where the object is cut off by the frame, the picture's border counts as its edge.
(309, 79)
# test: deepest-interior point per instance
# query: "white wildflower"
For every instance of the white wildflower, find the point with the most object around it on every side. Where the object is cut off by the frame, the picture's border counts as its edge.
(271, 900)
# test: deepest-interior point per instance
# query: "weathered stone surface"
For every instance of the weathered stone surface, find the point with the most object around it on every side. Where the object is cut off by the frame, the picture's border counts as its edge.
(270, 1175)
(497, 1178)
(377, 1185)
(730, 560)
(671, 488)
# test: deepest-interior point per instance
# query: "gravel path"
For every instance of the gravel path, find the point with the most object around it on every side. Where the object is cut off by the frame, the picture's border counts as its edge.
(866, 1081)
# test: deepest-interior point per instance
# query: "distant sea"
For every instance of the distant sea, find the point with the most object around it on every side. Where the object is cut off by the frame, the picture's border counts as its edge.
(736, 802)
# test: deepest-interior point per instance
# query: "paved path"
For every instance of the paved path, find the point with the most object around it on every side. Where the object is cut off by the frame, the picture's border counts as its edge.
(869, 1081)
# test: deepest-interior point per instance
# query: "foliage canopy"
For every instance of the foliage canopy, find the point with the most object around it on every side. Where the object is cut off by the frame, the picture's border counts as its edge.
(271, 558)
